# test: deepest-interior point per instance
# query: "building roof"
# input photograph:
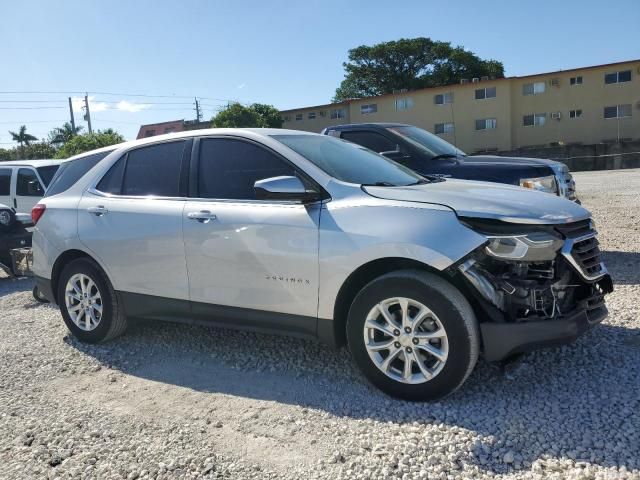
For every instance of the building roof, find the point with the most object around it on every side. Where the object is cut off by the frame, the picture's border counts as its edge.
(452, 85)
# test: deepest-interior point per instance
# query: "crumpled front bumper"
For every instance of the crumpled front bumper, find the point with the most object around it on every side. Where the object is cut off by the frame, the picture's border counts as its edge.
(501, 340)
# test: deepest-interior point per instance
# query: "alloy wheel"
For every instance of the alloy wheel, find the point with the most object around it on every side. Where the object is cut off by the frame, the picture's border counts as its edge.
(83, 302)
(406, 340)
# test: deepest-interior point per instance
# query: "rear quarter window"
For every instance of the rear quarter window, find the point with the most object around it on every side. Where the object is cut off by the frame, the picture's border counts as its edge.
(70, 172)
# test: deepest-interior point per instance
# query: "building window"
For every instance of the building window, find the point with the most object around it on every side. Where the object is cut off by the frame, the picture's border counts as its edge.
(482, 93)
(535, 88)
(312, 115)
(369, 108)
(486, 124)
(404, 104)
(149, 133)
(298, 116)
(323, 113)
(443, 98)
(442, 128)
(575, 80)
(534, 120)
(618, 77)
(617, 111)
(286, 118)
(575, 113)
(337, 113)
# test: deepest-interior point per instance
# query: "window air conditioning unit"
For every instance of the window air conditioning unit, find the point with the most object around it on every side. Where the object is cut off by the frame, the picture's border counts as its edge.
(555, 82)
(464, 81)
(556, 115)
(475, 80)
(485, 78)
(638, 104)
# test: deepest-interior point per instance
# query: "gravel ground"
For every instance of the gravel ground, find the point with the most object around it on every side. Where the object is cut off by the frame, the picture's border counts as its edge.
(173, 401)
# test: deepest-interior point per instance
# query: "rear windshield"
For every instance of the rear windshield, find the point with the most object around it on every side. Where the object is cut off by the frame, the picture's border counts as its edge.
(349, 162)
(47, 173)
(70, 172)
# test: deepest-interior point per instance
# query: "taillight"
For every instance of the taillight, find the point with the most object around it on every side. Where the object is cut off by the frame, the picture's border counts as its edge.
(37, 212)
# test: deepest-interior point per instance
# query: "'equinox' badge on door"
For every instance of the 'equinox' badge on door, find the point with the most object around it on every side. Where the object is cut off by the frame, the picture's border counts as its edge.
(282, 278)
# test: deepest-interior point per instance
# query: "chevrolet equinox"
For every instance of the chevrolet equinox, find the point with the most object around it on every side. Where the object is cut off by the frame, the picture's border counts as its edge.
(309, 235)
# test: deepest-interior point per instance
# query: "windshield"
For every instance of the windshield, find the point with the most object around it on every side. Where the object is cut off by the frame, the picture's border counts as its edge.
(429, 143)
(349, 162)
(47, 173)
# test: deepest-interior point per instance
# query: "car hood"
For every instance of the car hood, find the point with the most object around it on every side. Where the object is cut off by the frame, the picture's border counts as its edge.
(488, 200)
(496, 160)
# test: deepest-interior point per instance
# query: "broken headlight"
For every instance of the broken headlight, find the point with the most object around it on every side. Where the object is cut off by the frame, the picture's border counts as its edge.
(530, 247)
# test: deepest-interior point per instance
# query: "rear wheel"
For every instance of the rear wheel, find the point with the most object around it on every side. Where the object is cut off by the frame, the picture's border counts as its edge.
(413, 335)
(88, 303)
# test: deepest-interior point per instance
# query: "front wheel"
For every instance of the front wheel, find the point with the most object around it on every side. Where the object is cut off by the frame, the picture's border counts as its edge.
(88, 303)
(413, 335)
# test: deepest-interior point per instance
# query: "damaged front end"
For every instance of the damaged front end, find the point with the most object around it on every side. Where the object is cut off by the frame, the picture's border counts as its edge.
(539, 285)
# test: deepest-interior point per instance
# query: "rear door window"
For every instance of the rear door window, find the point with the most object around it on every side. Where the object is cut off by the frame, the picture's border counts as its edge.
(5, 182)
(155, 170)
(28, 184)
(371, 140)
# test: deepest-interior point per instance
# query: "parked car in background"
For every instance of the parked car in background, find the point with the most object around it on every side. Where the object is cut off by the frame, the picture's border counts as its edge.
(429, 154)
(23, 182)
(14, 234)
(286, 231)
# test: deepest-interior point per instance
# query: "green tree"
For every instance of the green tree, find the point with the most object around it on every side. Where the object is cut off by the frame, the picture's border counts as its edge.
(89, 141)
(409, 64)
(22, 137)
(6, 154)
(61, 135)
(269, 114)
(39, 150)
(256, 115)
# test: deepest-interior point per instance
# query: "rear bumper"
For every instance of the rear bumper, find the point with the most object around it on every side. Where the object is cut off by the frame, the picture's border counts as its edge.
(44, 286)
(502, 340)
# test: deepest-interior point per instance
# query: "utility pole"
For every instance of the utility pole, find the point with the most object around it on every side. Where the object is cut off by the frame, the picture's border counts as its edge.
(87, 115)
(198, 114)
(73, 122)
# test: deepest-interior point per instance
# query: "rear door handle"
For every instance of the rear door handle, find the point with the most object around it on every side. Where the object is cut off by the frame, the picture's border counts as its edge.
(98, 211)
(203, 216)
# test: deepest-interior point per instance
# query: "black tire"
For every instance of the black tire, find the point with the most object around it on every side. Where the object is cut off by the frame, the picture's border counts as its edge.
(454, 313)
(8, 220)
(113, 321)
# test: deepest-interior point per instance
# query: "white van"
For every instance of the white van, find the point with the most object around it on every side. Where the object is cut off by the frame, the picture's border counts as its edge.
(23, 182)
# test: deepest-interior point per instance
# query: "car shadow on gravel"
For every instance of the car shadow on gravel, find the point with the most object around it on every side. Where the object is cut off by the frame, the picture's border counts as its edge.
(624, 266)
(557, 404)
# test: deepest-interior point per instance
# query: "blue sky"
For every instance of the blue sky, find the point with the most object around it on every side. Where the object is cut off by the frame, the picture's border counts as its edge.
(286, 53)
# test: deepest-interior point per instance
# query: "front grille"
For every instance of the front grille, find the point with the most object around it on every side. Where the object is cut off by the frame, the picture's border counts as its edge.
(576, 229)
(586, 253)
(581, 248)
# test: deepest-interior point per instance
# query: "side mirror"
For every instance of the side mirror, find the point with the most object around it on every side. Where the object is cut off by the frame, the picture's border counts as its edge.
(284, 188)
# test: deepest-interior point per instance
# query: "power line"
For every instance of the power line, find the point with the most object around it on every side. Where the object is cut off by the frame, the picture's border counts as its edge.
(30, 108)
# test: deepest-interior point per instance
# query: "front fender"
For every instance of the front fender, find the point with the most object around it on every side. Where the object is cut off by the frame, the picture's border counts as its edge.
(353, 235)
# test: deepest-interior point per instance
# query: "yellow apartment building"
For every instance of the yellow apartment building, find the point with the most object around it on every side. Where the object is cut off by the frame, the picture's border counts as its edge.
(579, 106)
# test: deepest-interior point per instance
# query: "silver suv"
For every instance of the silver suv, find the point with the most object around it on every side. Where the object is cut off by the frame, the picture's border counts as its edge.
(308, 235)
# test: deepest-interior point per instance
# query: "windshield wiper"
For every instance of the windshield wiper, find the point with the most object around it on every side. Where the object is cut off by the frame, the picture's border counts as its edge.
(445, 155)
(379, 184)
(422, 181)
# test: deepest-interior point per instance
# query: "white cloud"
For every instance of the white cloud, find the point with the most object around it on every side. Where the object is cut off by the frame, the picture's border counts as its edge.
(131, 107)
(95, 106)
(78, 104)
(241, 86)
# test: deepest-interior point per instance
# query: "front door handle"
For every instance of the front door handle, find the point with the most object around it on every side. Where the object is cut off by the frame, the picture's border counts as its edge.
(98, 211)
(203, 216)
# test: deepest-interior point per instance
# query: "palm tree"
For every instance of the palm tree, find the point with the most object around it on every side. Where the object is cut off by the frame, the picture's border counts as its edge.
(61, 135)
(23, 138)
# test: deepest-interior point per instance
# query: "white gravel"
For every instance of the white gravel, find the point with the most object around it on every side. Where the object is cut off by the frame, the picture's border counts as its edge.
(173, 401)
